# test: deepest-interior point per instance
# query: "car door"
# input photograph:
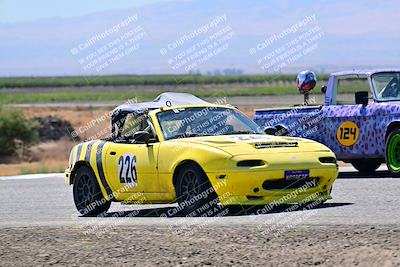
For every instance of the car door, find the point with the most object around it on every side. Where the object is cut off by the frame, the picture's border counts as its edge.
(346, 124)
(132, 167)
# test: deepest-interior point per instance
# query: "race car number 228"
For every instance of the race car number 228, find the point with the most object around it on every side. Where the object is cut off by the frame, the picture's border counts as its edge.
(347, 133)
(127, 170)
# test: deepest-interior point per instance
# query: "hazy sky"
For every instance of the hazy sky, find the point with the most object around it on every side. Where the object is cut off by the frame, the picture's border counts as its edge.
(26, 10)
(37, 36)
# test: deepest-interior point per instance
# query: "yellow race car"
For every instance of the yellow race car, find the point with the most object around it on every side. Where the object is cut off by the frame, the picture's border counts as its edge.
(182, 149)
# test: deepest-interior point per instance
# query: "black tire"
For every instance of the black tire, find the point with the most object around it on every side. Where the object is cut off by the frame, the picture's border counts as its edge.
(89, 200)
(194, 193)
(366, 166)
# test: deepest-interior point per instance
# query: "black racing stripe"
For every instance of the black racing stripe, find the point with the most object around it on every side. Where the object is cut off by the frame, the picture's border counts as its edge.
(78, 155)
(99, 163)
(88, 151)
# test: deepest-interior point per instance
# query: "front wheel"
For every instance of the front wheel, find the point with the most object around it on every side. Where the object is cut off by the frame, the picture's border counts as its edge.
(366, 166)
(88, 198)
(195, 195)
(393, 152)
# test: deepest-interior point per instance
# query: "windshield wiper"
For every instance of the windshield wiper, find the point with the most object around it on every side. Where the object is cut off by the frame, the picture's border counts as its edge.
(241, 132)
(186, 135)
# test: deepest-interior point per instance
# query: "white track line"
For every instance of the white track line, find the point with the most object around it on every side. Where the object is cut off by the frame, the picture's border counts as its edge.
(352, 169)
(32, 176)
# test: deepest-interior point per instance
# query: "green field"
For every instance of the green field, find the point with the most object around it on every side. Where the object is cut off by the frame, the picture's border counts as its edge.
(48, 97)
(146, 95)
(124, 80)
(67, 89)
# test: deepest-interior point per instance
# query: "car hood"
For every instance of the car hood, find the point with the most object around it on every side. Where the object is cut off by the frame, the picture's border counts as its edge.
(254, 144)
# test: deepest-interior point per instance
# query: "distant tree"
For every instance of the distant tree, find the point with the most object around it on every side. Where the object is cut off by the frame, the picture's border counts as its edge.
(232, 71)
(217, 72)
(225, 72)
(195, 72)
(14, 128)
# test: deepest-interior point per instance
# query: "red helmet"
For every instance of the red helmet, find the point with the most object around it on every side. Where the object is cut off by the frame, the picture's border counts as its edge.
(306, 81)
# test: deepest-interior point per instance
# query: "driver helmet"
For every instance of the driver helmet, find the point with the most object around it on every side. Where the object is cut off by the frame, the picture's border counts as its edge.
(306, 81)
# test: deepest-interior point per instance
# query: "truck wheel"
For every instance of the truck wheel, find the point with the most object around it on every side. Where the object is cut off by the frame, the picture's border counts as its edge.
(88, 198)
(366, 166)
(194, 193)
(393, 152)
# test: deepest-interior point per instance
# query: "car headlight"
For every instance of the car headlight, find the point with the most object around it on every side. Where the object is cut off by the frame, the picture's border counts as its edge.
(331, 160)
(251, 163)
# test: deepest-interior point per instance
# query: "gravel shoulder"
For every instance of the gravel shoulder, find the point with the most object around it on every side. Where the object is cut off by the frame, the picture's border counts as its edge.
(359, 226)
(241, 245)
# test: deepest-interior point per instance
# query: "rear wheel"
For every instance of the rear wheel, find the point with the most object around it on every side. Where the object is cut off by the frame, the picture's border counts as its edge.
(366, 165)
(88, 198)
(393, 152)
(194, 193)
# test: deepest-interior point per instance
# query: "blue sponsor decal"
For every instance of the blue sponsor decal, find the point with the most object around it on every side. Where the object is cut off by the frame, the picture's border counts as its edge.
(297, 174)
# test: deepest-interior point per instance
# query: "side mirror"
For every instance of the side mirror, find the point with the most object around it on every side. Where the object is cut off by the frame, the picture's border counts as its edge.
(361, 98)
(323, 89)
(270, 130)
(141, 137)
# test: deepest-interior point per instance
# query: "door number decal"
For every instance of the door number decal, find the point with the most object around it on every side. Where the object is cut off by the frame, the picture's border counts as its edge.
(347, 133)
(127, 170)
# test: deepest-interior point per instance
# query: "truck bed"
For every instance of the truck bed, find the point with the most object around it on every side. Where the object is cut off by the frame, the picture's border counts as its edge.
(296, 109)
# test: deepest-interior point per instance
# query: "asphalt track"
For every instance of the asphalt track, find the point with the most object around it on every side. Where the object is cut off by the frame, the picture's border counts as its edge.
(360, 226)
(46, 201)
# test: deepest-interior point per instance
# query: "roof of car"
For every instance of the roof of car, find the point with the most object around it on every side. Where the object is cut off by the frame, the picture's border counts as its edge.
(168, 99)
(363, 72)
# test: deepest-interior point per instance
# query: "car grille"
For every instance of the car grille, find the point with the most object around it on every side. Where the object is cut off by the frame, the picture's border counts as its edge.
(290, 184)
(275, 145)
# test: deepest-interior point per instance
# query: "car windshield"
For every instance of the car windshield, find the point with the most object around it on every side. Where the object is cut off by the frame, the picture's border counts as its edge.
(386, 86)
(204, 121)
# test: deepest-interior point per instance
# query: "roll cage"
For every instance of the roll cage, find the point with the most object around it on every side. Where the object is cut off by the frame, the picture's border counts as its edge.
(121, 115)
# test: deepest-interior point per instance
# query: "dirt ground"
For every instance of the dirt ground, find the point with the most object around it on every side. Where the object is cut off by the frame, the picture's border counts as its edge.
(239, 245)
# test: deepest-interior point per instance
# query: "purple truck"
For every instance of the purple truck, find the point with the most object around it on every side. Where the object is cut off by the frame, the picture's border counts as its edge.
(359, 121)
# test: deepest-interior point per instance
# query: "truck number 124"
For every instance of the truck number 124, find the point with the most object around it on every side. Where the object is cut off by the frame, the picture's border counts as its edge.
(346, 132)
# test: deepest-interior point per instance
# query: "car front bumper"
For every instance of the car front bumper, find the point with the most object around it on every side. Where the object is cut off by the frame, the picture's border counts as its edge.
(67, 178)
(253, 187)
